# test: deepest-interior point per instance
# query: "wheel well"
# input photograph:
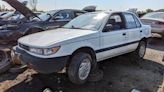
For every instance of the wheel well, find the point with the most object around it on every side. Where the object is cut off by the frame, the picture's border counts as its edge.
(86, 50)
(144, 39)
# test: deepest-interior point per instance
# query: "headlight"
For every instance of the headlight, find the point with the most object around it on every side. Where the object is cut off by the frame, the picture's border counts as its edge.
(47, 51)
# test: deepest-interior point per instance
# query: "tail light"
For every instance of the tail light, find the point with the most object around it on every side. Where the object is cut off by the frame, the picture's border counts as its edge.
(159, 23)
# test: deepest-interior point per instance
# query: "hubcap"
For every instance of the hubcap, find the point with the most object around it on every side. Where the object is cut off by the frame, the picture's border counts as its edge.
(84, 69)
(142, 50)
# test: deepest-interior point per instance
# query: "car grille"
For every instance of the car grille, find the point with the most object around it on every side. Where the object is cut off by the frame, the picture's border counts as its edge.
(24, 47)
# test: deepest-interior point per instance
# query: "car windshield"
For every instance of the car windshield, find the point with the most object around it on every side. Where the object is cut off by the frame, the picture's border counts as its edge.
(157, 15)
(7, 15)
(16, 17)
(46, 15)
(89, 21)
(2, 13)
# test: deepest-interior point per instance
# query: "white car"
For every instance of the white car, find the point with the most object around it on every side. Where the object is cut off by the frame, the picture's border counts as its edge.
(156, 20)
(80, 44)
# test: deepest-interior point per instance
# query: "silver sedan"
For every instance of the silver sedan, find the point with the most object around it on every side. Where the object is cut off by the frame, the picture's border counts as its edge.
(156, 20)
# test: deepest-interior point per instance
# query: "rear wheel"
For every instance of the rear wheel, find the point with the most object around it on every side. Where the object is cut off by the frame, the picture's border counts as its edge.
(80, 68)
(141, 49)
(138, 55)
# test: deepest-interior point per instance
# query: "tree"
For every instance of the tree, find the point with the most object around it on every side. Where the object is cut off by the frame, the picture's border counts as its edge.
(141, 13)
(33, 4)
(149, 10)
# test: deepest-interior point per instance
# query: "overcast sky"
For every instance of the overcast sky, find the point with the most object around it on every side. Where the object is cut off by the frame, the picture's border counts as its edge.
(101, 4)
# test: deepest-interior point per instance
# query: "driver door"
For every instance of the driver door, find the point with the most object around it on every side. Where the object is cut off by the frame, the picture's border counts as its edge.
(113, 38)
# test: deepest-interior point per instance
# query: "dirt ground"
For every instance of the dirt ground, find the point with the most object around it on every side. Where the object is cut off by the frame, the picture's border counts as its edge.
(120, 75)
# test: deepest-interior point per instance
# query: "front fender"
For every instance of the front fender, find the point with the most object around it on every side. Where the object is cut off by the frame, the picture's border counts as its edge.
(69, 49)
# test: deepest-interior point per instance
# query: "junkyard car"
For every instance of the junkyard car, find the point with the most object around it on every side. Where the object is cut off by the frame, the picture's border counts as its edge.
(32, 23)
(156, 20)
(48, 20)
(83, 42)
(14, 19)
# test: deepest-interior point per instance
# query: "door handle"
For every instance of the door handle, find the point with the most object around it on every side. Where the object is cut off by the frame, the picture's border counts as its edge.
(124, 34)
(141, 31)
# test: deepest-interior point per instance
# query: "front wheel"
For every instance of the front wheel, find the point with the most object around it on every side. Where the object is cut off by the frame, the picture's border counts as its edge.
(80, 68)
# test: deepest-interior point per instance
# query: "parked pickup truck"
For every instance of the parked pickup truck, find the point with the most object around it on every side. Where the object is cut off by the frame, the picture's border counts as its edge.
(84, 41)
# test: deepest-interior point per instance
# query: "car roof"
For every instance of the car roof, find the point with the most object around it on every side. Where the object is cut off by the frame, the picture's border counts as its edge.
(110, 12)
(67, 9)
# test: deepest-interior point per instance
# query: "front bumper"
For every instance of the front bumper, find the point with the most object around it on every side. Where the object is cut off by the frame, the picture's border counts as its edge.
(42, 65)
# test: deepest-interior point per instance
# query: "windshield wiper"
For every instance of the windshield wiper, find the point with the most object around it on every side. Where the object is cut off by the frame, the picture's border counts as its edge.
(73, 27)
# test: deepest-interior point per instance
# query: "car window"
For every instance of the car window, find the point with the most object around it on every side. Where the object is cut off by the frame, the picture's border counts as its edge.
(138, 24)
(45, 15)
(130, 21)
(117, 18)
(116, 21)
(64, 15)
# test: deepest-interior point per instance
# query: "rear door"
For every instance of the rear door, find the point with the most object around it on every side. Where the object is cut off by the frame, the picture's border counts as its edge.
(134, 29)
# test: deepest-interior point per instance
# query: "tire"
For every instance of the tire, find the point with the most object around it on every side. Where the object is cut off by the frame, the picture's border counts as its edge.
(5, 64)
(47, 90)
(139, 54)
(162, 36)
(80, 68)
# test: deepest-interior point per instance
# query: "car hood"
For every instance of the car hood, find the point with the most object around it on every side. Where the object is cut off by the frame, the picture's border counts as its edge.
(21, 8)
(51, 37)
